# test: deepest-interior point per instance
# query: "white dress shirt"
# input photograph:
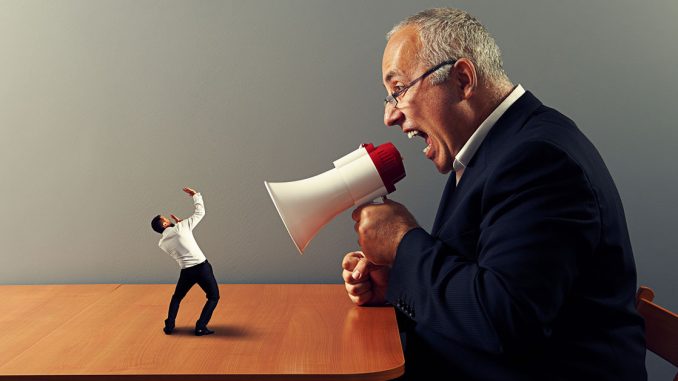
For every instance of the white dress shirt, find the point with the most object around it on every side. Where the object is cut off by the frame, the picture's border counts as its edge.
(469, 149)
(178, 240)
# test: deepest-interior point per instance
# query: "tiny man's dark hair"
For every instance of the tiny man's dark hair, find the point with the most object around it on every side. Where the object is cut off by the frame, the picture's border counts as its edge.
(156, 224)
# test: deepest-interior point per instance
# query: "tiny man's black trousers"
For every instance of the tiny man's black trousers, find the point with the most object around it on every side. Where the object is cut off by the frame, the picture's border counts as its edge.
(203, 275)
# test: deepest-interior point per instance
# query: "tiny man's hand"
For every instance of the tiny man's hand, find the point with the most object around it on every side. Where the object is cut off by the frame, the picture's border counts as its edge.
(366, 283)
(175, 218)
(190, 191)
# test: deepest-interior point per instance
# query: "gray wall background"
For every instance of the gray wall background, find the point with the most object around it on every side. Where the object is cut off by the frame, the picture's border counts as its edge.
(109, 108)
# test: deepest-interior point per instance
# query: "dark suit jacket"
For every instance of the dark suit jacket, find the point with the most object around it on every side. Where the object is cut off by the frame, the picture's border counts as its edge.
(528, 273)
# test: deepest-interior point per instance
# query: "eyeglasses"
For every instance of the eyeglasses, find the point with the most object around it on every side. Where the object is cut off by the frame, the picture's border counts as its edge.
(393, 98)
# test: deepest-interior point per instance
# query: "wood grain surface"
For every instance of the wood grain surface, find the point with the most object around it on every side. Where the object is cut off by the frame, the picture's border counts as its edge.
(263, 332)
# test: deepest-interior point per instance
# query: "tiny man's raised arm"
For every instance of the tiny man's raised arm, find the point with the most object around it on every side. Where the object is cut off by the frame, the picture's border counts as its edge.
(199, 212)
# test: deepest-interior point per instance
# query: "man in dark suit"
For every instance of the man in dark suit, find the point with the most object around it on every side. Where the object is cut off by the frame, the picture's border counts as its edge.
(528, 272)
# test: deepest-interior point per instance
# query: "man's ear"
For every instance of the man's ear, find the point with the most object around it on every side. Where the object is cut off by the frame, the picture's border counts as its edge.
(466, 77)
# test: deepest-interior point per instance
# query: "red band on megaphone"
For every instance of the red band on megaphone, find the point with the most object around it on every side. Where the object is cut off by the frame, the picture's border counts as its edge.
(388, 162)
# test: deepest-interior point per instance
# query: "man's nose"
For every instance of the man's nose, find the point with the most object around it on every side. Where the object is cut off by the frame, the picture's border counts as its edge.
(393, 116)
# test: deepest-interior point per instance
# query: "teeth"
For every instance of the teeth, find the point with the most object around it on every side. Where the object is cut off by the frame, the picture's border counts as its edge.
(426, 149)
(412, 134)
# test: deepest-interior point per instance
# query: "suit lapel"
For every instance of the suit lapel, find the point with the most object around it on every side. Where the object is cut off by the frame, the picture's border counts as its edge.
(499, 136)
(444, 203)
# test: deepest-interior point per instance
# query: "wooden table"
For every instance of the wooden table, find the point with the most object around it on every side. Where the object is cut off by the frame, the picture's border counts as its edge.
(263, 332)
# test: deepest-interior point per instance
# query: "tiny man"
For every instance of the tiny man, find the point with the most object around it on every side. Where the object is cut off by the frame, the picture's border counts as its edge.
(178, 241)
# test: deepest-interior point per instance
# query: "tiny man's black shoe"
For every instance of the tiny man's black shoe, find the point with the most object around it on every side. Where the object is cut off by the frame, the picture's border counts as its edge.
(169, 327)
(203, 331)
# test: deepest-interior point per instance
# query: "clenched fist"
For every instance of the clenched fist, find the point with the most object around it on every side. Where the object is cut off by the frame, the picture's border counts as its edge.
(365, 282)
(380, 228)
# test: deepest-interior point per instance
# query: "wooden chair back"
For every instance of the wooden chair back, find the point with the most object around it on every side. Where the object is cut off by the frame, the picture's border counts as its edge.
(661, 327)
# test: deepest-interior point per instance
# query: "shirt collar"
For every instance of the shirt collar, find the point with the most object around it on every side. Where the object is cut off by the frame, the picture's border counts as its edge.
(469, 149)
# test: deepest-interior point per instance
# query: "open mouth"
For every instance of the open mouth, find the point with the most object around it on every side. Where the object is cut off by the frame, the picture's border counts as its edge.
(413, 133)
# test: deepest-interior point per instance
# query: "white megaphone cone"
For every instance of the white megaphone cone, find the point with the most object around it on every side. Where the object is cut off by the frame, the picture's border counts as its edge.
(305, 206)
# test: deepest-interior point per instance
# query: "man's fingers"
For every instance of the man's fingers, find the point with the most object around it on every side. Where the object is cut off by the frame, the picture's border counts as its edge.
(347, 276)
(358, 288)
(351, 260)
(356, 280)
(361, 299)
(360, 269)
(355, 267)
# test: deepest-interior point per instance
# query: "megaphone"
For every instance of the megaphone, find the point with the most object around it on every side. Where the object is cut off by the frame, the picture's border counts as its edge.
(305, 206)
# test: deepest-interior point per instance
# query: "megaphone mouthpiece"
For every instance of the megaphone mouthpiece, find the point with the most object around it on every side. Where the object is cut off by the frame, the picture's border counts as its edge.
(389, 164)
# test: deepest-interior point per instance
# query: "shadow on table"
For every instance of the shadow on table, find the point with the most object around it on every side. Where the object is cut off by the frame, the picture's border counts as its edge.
(220, 330)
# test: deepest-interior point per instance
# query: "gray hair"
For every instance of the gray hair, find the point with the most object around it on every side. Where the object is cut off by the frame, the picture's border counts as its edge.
(448, 33)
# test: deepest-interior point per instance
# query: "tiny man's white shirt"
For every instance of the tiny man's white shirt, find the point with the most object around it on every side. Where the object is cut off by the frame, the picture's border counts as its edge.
(178, 240)
(469, 149)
